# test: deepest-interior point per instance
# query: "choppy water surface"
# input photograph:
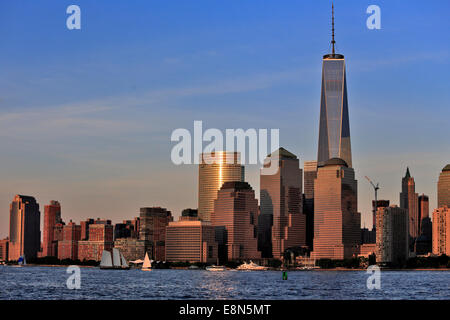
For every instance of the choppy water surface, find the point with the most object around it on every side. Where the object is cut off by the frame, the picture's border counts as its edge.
(50, 283)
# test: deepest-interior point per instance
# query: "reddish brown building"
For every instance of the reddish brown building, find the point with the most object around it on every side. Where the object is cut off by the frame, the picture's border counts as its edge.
(337, 222)
(153, 223)
(409, 200)
(281, 206)
(441, 231)
(85, 228)
(4, 246)
(191, 240)
(68, 247)
(236, 209)
(101, 237)
(52, 217)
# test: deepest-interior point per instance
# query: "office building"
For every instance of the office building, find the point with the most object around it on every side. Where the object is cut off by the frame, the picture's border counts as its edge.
(191, 240)
(337, 222)
(444, 187)
(409, 200)
(309, 175)
(24, 228)
(153, 222)
(236, 210)
(281, 205)
(215, 169)
(334, 126)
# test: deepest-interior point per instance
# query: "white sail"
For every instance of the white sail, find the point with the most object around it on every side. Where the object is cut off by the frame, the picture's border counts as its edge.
(106, 259)
(147, 263)
(116, 257)
(124, 261)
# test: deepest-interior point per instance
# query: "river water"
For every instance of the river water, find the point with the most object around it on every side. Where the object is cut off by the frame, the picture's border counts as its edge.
(51, 283)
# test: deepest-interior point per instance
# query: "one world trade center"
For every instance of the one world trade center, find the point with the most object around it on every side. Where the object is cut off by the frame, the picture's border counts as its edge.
(334, 130)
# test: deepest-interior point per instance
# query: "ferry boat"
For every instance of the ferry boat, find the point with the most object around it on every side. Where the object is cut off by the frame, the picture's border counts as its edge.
(251, 267)
(116, 261)
(215, 268)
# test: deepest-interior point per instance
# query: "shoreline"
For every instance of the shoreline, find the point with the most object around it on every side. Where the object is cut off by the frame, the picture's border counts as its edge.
(292, 270)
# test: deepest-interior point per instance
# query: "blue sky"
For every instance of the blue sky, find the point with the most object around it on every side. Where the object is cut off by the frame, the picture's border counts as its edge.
(86, 115)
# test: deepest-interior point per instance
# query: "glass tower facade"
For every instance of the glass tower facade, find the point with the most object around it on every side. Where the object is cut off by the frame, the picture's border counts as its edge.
(334, 131)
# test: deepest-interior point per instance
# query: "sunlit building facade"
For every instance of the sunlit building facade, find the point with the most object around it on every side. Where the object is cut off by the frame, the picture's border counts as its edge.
(441, 231)
(24, 228)
(236, 209)
(215, 169)
(281, 199)
(334, 129)
(392, 235)
(444, 187)
(191, 240)
(337, 222)
(52, 217)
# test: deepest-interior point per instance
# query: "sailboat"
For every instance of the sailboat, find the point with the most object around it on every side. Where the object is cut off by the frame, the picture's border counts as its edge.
(147, 265)
(22, 261)
(116, 261)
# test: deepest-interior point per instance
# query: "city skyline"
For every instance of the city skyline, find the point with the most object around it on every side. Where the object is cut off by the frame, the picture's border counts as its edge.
(56, 154)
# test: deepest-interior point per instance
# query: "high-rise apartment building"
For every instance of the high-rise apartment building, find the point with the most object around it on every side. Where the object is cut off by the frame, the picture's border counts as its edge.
(441, 231)
(101, 237)
(85, 228)
(444, 187)
(334, 129)
(236, 209)
(24, 228)
(309, 175)
(409, 200)
(191, 240)
(153, 221)
(392, 235)
(52, 217)
(68, 247)
(281, 205)
(215, 169)
(375, 206)
(337, 222)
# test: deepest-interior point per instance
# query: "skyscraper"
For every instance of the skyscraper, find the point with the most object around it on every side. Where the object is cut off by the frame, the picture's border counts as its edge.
(392, 235)
(409, 200)
(334, 130)
(375, 206)
(337, 222)
(441, 231)
(236, 209)
(24, 228)
(444, 187)
(424, 207)
(215, 169)
(310, 174)
(281, 205)
(52, 217)
(153, 222)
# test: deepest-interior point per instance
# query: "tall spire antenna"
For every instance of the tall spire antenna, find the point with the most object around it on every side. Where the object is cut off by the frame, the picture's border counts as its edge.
(332, 27)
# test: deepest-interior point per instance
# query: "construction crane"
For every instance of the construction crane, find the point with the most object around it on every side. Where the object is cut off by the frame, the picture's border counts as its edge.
(375, 187)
